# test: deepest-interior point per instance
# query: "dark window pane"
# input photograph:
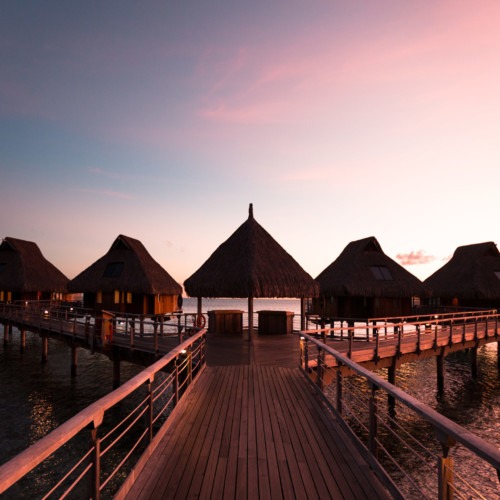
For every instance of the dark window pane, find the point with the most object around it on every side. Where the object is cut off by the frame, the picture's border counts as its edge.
(113, 270)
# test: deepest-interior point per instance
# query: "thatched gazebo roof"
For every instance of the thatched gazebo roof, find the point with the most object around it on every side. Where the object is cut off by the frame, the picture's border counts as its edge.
(472, 273)
(250, 263)
(126, 266)
(23, 268)
(364, 270)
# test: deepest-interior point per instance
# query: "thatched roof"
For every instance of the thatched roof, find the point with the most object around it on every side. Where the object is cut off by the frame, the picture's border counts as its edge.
(127, 266)
(472, 273)
(23, 268)
(363, 270)
(250, 263)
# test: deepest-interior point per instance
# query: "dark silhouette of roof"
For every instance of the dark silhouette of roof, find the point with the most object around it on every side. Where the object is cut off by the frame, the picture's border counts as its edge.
(472, 273)
(363, 269)
(23, 268)
(126, 266)
(250, 263)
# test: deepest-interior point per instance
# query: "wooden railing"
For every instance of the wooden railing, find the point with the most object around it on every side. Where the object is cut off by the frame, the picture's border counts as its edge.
(382, 435)
(148, 398)
(429, 332)
(103, 329)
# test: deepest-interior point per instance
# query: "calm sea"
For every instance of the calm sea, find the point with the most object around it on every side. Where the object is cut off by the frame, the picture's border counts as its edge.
(35, 398)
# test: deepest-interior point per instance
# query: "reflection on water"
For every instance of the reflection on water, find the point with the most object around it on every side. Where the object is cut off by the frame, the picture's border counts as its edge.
(42, 416)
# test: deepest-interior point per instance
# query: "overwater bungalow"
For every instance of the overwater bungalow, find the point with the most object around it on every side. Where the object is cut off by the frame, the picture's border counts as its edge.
(363, 282)
(127, 280)
(25, 274)
(471, 278)
(250, 264)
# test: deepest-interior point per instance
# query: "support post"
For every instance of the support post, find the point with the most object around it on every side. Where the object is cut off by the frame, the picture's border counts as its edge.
(198, 307)
(23, 340)
(96, 462)
(473, 362)
(440, 373)
(6, 331)
(250, 319)
(45, 348)
(302, 313)
(445, 469)
(74, 359)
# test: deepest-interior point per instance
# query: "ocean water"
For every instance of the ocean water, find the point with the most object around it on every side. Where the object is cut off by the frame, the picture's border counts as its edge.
(35, 398)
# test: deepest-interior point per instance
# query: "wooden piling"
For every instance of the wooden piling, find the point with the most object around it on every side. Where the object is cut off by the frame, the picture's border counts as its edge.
(6, 332)
(23, 339)
(74, 360)
(45, 348)
(440, 373)
(473, 362)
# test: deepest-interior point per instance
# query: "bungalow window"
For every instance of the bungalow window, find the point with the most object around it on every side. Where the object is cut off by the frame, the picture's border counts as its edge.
(381, 273)
(9, 296)
(497, 273)
(129, 297)
(113, 270)
(99, 297)
(1, 296)
(117, 296)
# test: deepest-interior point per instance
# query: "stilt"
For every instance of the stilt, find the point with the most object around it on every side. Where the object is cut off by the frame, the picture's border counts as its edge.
(45, 349)
(116, 369)
(440, 374)
(391, 401)
(473, 362)
(6, 332)
(74, 359)
(23, 340)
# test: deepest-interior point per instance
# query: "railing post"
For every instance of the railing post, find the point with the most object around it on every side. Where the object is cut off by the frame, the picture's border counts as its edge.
(96, 464)
(319, 369)
(398, 346)
(445, 469)
(475, 328)
(377, 343)
(464, 331)
(339, 389)
(150, 408)
(418, 339)
(306, 355)
(156, 338)
(372, 439)
(176, 379)
(350, 334)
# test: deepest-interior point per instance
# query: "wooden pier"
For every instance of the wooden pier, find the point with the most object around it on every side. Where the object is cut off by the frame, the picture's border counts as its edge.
(253, 427)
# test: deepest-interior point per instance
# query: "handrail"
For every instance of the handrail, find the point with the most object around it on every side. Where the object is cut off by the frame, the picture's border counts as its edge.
(448, 431)
(103, 328)
(93, 415)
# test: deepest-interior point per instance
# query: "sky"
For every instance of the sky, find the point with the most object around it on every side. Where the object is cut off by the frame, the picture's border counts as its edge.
(164, 120)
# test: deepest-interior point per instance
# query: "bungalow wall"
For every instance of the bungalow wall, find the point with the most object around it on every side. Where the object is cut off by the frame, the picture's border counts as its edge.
(8, 296)
(130, 303)
(361, 307)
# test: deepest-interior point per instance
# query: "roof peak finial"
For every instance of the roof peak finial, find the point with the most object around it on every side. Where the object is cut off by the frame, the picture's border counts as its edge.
(250, 211)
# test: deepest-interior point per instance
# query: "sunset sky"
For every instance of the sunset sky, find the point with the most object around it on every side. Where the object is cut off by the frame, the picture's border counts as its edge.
(163, 120)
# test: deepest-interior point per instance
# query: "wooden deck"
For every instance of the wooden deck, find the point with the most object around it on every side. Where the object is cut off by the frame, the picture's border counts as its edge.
(254, 427)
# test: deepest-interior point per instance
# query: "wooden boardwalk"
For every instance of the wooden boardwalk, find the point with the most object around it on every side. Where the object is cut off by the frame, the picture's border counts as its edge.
(254, 427)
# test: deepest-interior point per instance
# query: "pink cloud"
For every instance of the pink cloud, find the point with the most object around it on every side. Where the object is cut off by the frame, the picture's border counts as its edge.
(414, 258)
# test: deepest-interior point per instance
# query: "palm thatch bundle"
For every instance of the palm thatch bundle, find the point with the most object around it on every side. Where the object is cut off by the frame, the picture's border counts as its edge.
(126, 266)
(250, 263)
(472, 273)
(23, 269)
(363, 270)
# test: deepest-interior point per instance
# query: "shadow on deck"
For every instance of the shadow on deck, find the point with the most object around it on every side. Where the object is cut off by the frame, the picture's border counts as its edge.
(253, 427)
